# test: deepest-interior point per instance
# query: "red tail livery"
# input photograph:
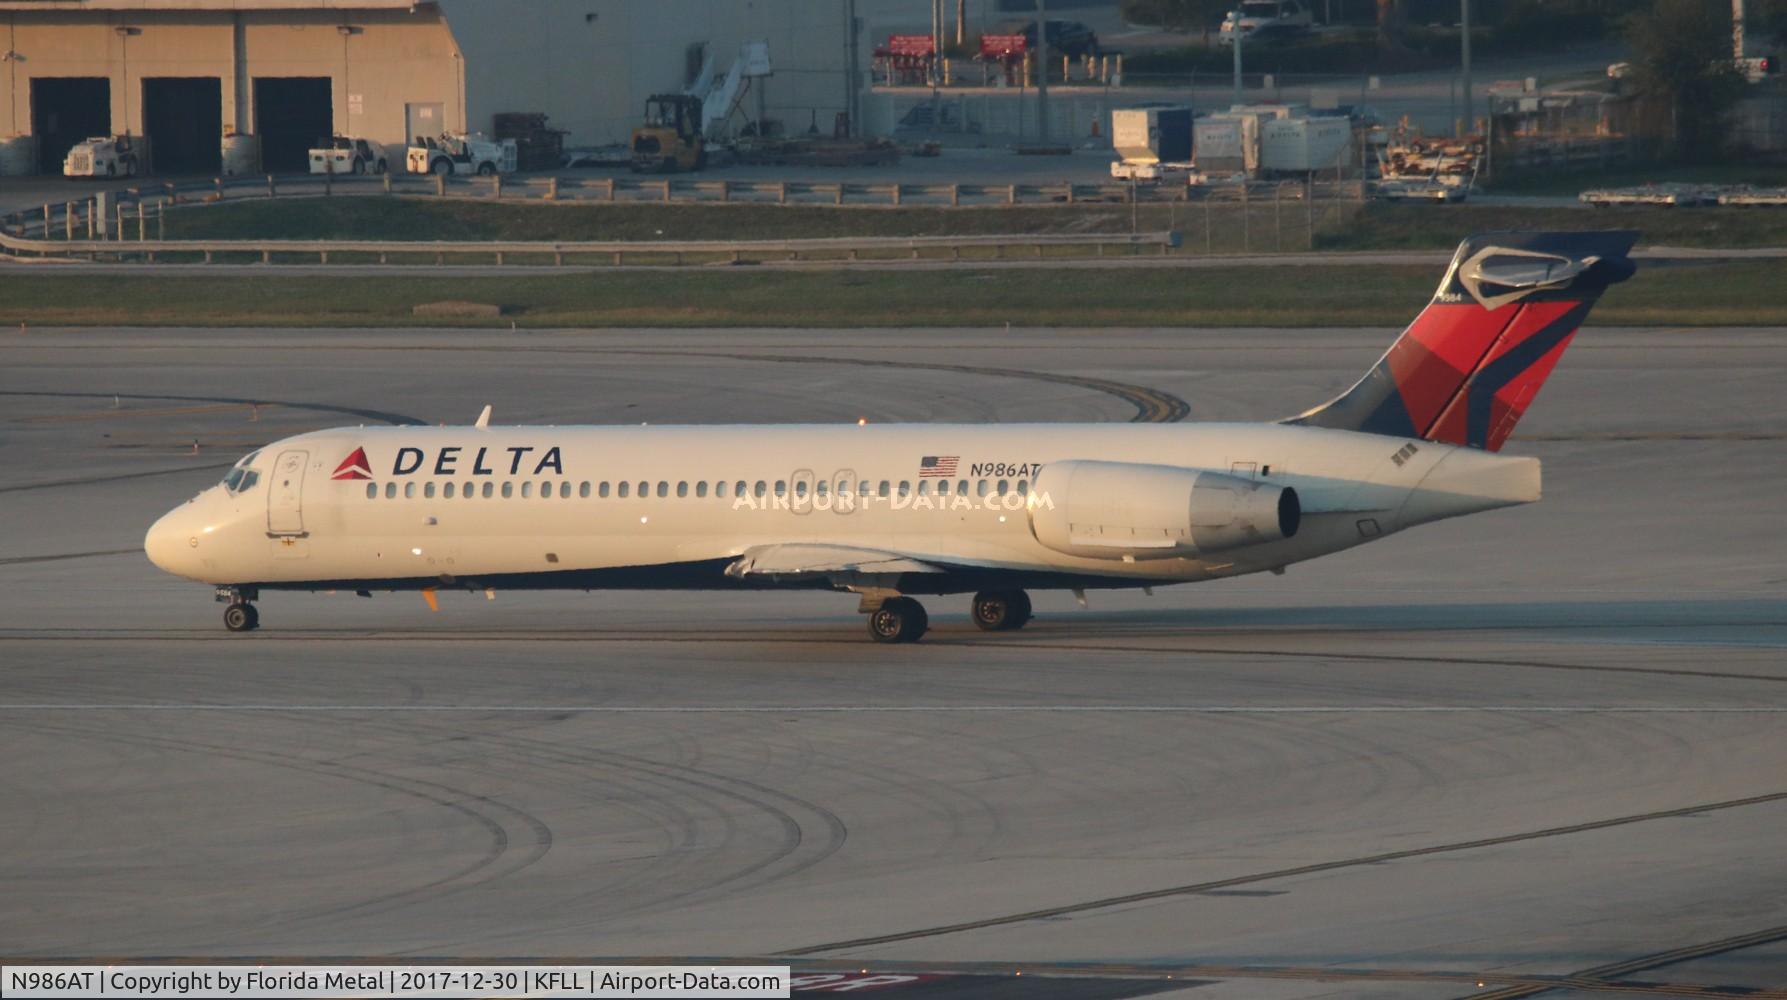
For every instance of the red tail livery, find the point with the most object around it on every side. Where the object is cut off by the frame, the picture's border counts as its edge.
(1468, 367)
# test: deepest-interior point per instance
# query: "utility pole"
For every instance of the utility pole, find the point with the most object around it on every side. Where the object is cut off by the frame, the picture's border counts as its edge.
(1464, 7)
(1042, 71)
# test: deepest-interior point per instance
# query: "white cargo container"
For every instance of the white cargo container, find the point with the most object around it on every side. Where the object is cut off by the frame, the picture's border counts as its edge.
(1301, 145)
(1226, 144)
(1152, 142)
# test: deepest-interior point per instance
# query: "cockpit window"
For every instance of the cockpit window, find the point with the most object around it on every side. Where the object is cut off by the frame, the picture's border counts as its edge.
(241, 479)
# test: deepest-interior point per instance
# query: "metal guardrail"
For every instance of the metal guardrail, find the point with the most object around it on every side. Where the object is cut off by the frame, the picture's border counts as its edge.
(135, 227)
(617, 252)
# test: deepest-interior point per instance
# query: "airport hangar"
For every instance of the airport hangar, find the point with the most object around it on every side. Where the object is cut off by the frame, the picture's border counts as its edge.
(188, 73)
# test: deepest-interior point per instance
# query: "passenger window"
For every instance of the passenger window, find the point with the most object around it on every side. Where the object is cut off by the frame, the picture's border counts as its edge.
(905, 487)
(1023, 488)
(564, 490)
(881, 490)
(527, 490)
(645, 490)
(682, 489)
(701, 488)
(409, 491)
(980, 488)
(943, 487)
(663, 488)
(428, 490)
(583, 490)
(781, 487)
(508, 490)
(372, 491)
(487, 490)
(738, 488)
(924, 487)
(602, 490)
(822, 488)
(390, 490)
(758, 489)
(447, 491)
(962, 487)
(625, 488)
(546, 491)
(862, 488)
(1004, 487)
(800, 488)
(467, 489)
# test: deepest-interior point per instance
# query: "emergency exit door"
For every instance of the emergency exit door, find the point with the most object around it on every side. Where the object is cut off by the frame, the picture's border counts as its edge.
(285, 512)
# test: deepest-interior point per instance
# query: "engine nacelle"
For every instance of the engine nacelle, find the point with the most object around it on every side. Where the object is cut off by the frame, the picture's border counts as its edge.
(1113, 510)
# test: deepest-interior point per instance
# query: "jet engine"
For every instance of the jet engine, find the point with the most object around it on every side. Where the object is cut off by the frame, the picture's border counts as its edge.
(1117, 510)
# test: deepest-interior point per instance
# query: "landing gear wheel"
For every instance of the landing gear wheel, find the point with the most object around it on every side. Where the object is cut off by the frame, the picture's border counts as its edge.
(1000, 610)
(241, 617)
(898, 619)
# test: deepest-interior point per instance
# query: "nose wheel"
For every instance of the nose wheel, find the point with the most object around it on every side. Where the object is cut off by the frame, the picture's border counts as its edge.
(240, 617)
(898, 619)
(1001, 610)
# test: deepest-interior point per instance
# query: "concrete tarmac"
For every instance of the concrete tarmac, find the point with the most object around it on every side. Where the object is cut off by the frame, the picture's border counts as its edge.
(1515, 748)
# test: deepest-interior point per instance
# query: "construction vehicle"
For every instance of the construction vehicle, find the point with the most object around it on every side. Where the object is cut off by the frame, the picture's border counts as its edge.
(103, 156)
(458, 152)
(670, 140)
(678, 128)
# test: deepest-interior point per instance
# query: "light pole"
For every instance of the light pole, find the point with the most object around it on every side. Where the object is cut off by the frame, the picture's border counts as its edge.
(1235, 19)
(1042, 71)
(1464, 7)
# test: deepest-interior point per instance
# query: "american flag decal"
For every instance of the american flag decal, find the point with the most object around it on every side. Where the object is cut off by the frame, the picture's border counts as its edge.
(937, 466)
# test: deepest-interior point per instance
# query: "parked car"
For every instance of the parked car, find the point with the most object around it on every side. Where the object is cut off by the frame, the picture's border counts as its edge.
(342, 154)
(1269, 20)
(102, 156)
(1066, 38)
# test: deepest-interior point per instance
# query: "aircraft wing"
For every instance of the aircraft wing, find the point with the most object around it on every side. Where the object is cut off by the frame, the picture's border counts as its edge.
(809, 559)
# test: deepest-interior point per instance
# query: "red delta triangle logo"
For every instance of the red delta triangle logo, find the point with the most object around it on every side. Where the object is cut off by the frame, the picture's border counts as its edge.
(354, 466)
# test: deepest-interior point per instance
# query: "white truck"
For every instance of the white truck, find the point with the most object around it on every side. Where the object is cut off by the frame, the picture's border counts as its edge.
(342, 154)
(457, 152)
(103, 156)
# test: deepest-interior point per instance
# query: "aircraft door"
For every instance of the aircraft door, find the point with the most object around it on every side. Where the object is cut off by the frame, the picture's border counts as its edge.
(800, 488)
(285, 512)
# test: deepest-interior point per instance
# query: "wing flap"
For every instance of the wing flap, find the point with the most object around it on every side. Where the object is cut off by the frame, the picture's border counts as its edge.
(801, 559)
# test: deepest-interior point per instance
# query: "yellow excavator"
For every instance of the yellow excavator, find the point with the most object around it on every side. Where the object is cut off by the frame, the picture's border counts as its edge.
(670, 140)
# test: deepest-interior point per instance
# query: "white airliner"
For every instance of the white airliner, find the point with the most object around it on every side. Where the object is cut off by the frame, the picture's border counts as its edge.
(891, 511)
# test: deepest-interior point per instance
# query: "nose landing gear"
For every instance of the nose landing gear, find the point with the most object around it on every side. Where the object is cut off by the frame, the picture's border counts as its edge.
(240, 616)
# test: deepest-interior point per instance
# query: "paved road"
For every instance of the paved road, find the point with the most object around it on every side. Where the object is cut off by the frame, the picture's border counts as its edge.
(1523, 745)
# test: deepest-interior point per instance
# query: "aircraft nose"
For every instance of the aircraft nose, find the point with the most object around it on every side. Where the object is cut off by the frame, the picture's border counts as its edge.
(170, 543)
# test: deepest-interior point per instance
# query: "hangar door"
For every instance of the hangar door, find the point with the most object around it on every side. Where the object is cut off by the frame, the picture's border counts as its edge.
(65, 110)
(290, 114)
(183, 118)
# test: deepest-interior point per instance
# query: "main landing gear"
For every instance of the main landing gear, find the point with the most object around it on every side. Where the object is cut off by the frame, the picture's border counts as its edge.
(1001, 610)
(902, 619)
(898, 619)
(240, 616)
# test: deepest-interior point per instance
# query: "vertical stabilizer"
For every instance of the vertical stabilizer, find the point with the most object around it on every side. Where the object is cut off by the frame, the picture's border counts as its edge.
(1471, 363)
